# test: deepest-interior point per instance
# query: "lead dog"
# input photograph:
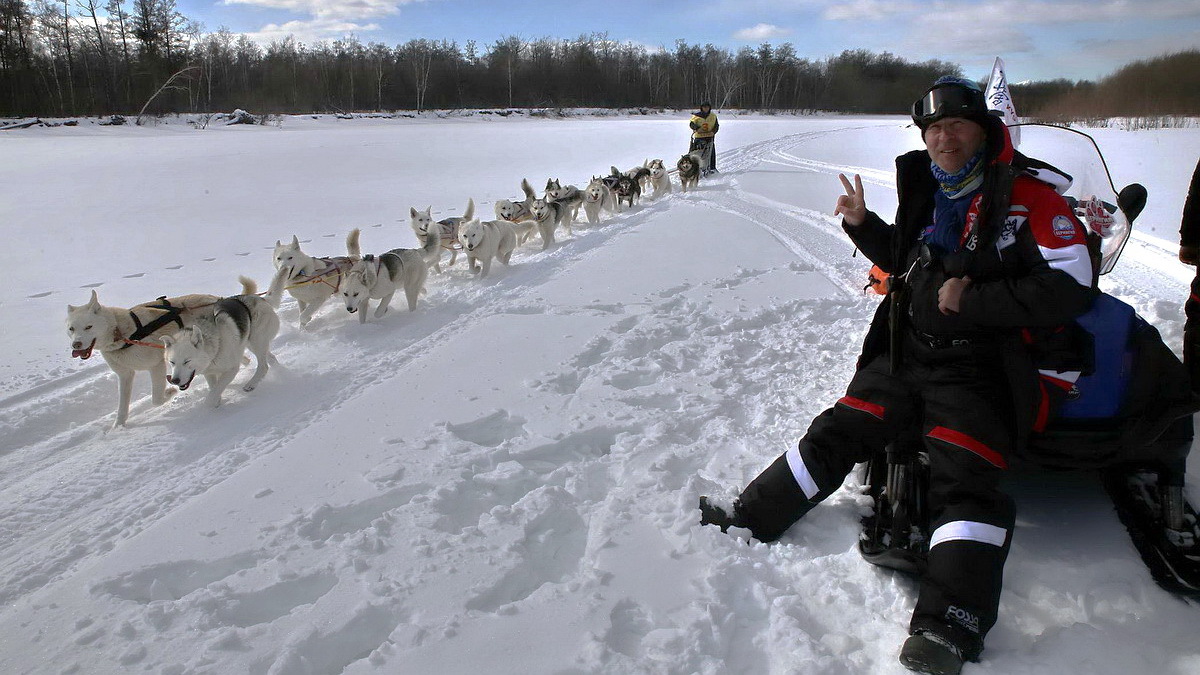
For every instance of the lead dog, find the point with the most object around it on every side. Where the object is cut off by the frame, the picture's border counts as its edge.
(689, 170)
(311, 281)
(123, 335)
(381, 276)
(597, 197)
(660, 180)
(487, 240)
(421, 221)
(215, 345)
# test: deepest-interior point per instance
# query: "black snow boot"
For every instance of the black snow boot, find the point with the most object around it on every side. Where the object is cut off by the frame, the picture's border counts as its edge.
(932, 654)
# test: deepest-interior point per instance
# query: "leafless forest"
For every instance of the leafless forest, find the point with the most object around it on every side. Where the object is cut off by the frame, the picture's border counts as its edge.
(102, 57)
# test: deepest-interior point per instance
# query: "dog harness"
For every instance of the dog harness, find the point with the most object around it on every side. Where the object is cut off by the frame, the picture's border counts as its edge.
(332, 266)
(141, 332)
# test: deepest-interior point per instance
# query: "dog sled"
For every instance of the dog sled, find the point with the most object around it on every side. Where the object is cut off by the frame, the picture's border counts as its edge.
(703, 146)
(1129, 418)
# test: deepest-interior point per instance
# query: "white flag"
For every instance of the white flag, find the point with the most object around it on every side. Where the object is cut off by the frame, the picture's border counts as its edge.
(998, 99)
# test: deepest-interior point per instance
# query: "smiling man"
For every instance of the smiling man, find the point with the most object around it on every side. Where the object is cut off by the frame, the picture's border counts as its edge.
(972, 349)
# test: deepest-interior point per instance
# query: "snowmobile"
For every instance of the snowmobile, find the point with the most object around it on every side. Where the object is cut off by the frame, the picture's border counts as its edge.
(1129, 417)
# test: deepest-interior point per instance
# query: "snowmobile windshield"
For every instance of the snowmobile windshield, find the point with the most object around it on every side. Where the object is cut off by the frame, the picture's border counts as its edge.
(1087, 188)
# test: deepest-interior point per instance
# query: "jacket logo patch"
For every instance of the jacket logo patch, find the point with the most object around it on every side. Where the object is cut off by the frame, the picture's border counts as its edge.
(1008, 234)
(1063, 227)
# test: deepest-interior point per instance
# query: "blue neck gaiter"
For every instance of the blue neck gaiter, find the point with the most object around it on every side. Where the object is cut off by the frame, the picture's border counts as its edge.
(951, 203)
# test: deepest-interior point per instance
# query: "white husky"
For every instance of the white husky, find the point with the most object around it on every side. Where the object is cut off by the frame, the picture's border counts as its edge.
(659, 179)
(421, 221)
(381, 276)
(597, 197)
(548, 216)
(123, 338)
(487, 240)
(215, 345)
(516, 211)
(311, 281)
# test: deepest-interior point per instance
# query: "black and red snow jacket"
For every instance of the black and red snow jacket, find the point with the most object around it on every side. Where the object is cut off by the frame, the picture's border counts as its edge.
(1029, 264)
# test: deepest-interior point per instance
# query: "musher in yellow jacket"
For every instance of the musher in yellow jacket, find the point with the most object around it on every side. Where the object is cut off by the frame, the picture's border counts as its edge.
(704, 126)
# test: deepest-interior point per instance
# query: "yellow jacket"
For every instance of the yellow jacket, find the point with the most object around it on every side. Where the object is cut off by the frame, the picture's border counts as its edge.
(704, 127)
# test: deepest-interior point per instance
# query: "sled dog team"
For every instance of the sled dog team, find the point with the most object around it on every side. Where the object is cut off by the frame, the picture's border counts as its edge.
(178, 338)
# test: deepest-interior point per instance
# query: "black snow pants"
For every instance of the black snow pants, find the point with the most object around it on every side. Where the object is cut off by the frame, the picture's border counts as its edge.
(959, 399)
(1191, 333)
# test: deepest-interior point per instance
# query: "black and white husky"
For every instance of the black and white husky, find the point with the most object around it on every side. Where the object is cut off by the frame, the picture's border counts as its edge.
(569, 196)
(660, 180)
(215, 344)
(379, 277)
(689, 170)
(629, 189)
(548, 215)
(421, 221)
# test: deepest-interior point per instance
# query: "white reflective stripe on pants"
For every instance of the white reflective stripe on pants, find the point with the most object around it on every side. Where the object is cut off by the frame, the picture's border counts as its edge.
(968, 530)
(800, 472)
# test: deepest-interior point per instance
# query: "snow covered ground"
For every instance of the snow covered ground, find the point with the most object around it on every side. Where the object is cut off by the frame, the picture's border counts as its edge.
(504, 480)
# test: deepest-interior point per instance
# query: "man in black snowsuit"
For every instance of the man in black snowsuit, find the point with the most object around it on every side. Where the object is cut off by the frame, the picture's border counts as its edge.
(1189, 252)
(987, 265)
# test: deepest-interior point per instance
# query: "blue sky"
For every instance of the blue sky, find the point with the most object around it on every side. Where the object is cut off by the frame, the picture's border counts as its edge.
(1038, 39)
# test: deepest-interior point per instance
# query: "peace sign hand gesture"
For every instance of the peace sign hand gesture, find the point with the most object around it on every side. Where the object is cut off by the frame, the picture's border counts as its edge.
(852, 206)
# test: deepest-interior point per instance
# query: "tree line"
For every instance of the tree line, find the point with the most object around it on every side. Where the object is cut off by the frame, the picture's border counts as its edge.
(99, 57)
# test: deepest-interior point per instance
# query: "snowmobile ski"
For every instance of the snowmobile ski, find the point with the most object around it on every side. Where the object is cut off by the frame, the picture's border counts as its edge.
(1170, 550)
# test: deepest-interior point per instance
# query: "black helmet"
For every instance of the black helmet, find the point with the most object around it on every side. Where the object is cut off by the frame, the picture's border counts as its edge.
(951, 97)
(706, 105)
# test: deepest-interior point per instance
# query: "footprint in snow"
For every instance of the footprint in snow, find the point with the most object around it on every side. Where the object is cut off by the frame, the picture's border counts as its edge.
(40, 295)
(95, 285)
(134, 276)
(174, 267)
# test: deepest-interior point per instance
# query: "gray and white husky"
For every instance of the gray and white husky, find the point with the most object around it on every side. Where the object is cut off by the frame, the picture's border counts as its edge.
(311, 281)
(215, 345)
(127, 339)
(487, 240)
(569, 196)
(660, 180)
(548, 215)
(421, 221)
(597, 197)
(516, 211)
(689, 170)
(379, 277)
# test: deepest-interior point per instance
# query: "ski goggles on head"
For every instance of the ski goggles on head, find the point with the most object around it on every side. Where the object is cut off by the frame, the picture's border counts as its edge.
(947, 101)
